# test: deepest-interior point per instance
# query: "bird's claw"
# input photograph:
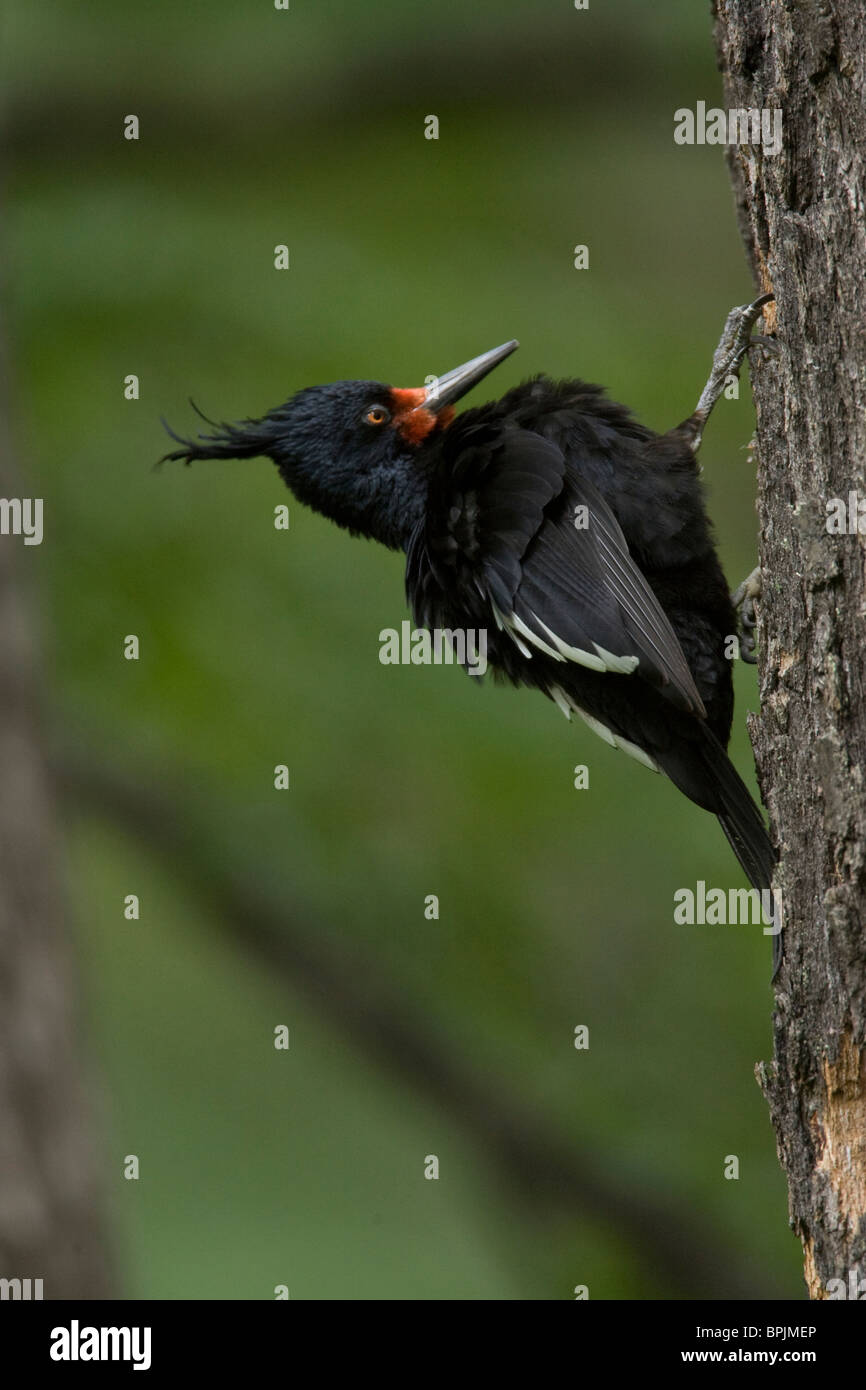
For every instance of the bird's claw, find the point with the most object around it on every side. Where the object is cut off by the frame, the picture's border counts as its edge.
(735, 342)
(744, 599)
(738, 332)
(765, 345)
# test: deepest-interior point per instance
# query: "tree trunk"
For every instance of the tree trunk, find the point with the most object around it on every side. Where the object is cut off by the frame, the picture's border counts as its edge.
(801, 213)
(51, 1225)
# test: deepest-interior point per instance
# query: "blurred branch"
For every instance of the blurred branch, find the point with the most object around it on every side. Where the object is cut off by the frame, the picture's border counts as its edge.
(51, 1184)
(241, 90)
(549, 1171)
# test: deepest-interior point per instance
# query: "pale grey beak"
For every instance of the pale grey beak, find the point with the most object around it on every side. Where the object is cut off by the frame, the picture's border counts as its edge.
(449, 388)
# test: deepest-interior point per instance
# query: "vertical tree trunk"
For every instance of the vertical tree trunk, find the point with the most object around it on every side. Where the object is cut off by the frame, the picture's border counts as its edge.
(801, 214)
(50, 1194)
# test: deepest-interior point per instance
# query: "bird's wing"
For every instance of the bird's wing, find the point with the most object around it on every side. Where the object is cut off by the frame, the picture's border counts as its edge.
(547, 551)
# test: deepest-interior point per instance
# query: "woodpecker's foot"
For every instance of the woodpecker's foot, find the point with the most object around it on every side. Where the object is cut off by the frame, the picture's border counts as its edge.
(735, 342)
(768, 346)
(744, 600)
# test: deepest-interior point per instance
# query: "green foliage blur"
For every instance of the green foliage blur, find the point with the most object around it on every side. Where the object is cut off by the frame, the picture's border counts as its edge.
(260, 647)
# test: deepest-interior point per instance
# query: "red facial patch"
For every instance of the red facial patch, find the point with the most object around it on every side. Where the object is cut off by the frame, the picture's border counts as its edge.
(412, 423)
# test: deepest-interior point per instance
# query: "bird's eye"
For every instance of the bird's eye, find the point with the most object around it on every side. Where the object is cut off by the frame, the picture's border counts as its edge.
(376, 415)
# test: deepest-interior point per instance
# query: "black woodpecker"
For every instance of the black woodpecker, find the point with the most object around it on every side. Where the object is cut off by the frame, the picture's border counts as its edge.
(576, 537)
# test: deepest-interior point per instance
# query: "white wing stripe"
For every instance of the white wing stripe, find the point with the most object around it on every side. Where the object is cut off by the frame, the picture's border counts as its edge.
(625, 745)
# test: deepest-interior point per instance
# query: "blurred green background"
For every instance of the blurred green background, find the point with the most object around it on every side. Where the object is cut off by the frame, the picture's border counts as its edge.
(260, 647)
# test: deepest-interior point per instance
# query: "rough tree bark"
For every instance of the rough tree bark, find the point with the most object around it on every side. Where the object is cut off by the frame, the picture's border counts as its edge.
(51, 1225)
(801, 214)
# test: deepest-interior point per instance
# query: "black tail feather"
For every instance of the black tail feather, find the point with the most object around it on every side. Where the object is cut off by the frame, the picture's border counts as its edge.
(743, 824)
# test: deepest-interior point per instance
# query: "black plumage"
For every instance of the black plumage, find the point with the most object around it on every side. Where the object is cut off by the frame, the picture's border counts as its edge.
(551, 518)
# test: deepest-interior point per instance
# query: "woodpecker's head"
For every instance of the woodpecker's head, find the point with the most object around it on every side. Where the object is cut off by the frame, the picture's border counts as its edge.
(353, 450)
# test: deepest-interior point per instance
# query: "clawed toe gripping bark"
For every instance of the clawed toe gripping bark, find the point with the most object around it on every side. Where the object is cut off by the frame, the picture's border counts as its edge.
(735, 342)
(744, 599)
